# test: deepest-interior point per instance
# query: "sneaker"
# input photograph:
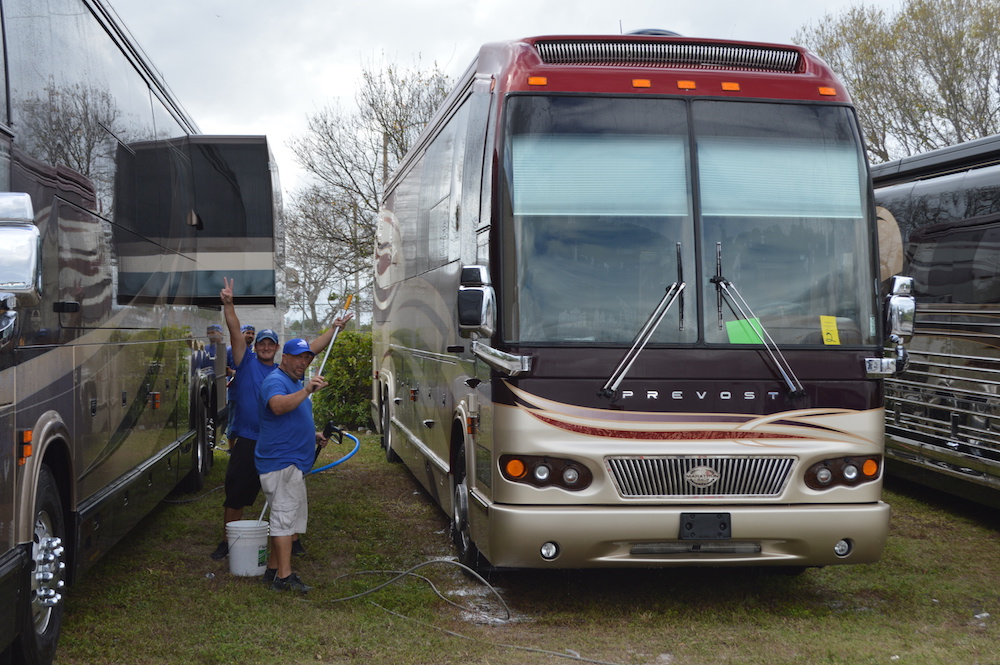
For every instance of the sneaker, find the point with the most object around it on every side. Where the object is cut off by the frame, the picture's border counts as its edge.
(222, 551)
(290, 583)
(269, 575)
(297, 549)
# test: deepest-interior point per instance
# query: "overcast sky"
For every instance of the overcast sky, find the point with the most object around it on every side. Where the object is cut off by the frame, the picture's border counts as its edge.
(261, 66)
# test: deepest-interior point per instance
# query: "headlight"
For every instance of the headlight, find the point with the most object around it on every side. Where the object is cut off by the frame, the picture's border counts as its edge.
(843, 471)
(544, 471)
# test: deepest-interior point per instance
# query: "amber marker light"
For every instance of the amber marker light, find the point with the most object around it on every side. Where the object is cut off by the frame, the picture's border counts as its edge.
(827, 92)
(515, 468)
(538, 80)
(642, 83)
(730, 86)
(686, 85)
(870, 468)
(27, 449)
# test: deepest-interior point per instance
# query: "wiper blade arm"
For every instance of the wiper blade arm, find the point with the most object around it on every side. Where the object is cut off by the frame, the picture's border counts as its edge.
(641, 339)
(727, 291)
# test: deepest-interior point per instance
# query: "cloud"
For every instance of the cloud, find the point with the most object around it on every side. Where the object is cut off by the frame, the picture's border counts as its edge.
(260, 67)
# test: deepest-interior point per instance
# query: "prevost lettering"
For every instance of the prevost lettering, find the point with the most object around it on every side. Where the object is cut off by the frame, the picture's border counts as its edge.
(746, 395)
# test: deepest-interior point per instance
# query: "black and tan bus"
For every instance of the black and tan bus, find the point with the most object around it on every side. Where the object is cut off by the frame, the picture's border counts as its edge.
(118, 219)
(939, 221)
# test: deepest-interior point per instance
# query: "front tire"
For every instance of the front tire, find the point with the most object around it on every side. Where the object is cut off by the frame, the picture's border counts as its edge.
(40, 611)
(202, 450)
(390, 454)
(461, 532)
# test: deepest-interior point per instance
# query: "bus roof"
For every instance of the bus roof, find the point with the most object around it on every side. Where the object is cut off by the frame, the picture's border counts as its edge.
(961, 157)
(659, 64)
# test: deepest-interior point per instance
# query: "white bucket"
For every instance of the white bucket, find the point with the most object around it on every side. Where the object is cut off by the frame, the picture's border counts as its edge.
(247, 547)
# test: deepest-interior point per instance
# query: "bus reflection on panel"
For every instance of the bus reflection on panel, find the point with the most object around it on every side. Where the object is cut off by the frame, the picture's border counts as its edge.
(939, 219)
(627, 309)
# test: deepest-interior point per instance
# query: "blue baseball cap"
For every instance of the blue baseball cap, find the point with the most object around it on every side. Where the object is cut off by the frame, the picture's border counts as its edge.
(267, 333)
(296, 347)
(215, 327)
(247, 328)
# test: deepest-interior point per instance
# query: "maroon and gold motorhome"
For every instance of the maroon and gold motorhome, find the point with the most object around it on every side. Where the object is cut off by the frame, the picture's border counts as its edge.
(627, 309)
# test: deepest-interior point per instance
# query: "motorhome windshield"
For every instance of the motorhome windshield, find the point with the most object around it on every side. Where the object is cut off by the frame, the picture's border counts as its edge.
(610, 200)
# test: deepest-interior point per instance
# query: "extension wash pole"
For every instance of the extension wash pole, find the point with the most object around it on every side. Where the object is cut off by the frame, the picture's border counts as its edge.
(336, 331)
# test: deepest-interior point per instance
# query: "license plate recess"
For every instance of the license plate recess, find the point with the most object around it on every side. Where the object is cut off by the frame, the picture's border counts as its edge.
(706, 526)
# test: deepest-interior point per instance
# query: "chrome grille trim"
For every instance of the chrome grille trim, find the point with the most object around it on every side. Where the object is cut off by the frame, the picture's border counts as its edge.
(659, 477)
(668, 54)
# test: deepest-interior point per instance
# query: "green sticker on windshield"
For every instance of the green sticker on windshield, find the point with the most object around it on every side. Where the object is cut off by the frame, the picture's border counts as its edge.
(745, 331)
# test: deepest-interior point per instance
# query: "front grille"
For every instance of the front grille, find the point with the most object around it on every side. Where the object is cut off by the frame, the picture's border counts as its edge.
(680, 477)
(668, 54)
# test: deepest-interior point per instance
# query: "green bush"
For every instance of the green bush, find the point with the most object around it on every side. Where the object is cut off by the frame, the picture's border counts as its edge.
(349, 371)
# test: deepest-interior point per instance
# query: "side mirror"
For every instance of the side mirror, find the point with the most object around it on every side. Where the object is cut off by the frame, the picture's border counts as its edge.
(476, 303)
(20, 251)
(901, 308)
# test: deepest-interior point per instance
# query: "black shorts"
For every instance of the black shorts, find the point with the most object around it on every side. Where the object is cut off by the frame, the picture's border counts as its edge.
(242, 479)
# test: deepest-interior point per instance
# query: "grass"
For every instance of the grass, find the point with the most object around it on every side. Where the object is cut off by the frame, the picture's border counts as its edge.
(159, 598)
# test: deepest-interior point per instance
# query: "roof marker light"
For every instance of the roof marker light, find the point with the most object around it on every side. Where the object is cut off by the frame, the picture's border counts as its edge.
(730, 86)
(538, 80)
(642, 83)
(827, 92)
(686, 85)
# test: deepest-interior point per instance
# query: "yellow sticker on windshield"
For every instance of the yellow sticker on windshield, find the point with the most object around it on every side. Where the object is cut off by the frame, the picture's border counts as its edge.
(828, 324)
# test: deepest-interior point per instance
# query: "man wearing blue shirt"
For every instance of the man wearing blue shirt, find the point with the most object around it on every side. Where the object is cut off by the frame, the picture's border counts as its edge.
(285, 453)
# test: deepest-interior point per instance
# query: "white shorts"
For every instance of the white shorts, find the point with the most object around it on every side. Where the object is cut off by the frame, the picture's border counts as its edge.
(286, 493)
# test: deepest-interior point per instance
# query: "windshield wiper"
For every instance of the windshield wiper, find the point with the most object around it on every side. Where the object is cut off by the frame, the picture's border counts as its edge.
(673, 292)
(727, 291)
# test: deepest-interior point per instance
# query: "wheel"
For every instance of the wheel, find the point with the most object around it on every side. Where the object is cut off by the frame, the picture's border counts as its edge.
(390, 454)
(208, 451)
(461, 534)
(201, 451)
(40, 611)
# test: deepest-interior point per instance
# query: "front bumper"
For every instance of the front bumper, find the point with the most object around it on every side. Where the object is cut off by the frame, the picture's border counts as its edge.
(649, 536)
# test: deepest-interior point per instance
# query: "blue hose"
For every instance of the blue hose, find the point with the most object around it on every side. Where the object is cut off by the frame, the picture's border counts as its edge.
(357, 445)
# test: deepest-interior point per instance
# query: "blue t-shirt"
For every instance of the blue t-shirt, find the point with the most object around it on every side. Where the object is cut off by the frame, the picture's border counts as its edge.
(246, 417)
(289, 438)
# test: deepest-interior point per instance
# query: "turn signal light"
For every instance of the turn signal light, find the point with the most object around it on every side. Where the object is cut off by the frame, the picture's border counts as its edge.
(514, 468)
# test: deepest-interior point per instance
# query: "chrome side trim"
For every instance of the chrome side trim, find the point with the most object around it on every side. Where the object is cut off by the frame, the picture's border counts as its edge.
(507, 363)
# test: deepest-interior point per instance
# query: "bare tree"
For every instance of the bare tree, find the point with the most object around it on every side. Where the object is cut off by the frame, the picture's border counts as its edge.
(350, 154)
(924, 78)
(317, 267)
